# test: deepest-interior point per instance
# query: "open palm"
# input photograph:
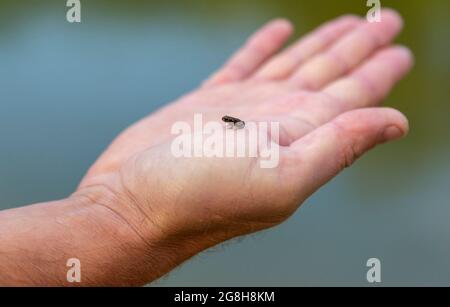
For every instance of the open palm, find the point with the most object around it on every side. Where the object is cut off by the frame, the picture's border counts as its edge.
(344, 65)
(324, 91)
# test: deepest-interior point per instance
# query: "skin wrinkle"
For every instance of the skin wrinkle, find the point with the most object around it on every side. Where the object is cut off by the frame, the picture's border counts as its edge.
(361, 79)
(236, 220)
(119, 216)
(285, 137)
(235, 70)
(376, 95)
(344, 66)
(375, 41)
(333, 98)
(136, 203)
(334, 103)
(351, 151)
(302, 83)
(346, 155)
(306, 122)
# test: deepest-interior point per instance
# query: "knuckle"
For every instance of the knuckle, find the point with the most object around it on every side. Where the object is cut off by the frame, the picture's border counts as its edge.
(350, 149)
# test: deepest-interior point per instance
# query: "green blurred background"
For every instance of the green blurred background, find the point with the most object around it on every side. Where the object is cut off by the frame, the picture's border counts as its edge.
(67, 89)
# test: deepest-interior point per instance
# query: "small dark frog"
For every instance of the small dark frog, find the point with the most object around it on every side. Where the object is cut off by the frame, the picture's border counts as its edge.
(233, 122)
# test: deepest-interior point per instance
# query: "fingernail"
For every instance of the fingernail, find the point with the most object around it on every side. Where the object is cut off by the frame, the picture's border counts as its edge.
(392, 133)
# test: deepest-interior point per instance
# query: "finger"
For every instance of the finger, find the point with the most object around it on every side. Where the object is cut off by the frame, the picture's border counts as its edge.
(365, 87)
(283, 65)
(349, 52)
(322, 154)
(260, 46)
(372, 82)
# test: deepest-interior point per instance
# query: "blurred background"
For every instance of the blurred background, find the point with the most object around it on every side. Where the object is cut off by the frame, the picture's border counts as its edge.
(67, 89)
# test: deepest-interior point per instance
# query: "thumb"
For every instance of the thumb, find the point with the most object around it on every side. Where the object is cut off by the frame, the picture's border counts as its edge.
(329, 149)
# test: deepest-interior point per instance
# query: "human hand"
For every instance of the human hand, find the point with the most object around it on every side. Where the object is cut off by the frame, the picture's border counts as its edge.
(323, 91)
(337, 62)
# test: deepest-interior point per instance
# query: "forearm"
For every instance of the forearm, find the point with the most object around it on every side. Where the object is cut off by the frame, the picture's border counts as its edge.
(37, 241)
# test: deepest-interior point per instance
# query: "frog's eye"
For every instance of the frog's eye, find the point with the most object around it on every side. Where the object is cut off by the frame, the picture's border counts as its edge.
(229, 119)
(233, 122)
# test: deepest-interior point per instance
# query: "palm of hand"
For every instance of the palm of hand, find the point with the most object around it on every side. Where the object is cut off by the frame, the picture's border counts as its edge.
(322, 90)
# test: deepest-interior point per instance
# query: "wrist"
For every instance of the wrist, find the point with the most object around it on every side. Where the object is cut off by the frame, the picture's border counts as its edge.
(154, 241)
(111, 249)
(37, 242)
